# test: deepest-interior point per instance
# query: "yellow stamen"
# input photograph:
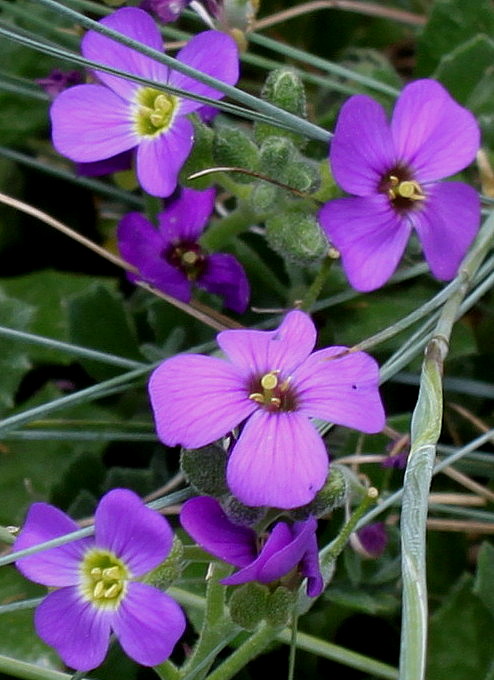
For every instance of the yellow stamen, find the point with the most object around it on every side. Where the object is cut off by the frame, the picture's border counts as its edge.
(269, 381)
(405, 189)
(190, 257)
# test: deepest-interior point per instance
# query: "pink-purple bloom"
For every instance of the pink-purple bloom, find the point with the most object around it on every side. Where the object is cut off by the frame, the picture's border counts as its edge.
(374, 538)
(393, 171)
(165, 10)
(57, 81)
(171, 257)
(96, 591)
(286, 547)
(271, 385)
(98, 121)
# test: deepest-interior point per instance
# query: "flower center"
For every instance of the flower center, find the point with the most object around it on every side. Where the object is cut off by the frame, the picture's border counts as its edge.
(272, 394)
(188, 257)
(404, 192)
(154, 112)
(104, 578)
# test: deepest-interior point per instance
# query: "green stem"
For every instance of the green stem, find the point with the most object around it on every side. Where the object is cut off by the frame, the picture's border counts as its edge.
(223, 230)
(316, 286)
(251, 648)
(167, 671)
(29, 671)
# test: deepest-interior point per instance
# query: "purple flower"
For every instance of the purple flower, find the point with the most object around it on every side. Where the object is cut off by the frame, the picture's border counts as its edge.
(57, 81)
(286, 547)
(96, 591)
(393, 170)
(122, 161)
(98, 121)
(272, 384)
(374, 538)
(165, 10)
(170, 257)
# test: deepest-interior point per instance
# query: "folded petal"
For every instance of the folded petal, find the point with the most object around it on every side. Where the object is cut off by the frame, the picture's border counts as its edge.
(78, 631)
(279, 460)
(148, 624)
(342, 390)
(197, 399)
(434, 135)
(309, 567)
(370, 236)
(225, 276)
(279, 538)
(138, 535)
(213, 53)
(447, 225)
(289, 556)
(258, 352)
(56, 566)
(206, 522)
(361, 150)
(139, 26)
(186, 216)
(160, 159)
(91, 123)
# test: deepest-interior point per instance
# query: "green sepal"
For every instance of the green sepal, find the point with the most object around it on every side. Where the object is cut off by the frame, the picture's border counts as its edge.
(200, 158)
(233, 148)
(264, 196)
(296, 235)
(279, 606)
(170, 570)
(205, 469)
(276, 155)
(240, 513)
(333, 495)
(248, 605)
(284, 89)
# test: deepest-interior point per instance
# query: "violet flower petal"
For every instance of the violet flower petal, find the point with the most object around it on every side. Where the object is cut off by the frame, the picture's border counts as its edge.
(258, 352)
(370, 236)
(138, 535)
(225, 276)
(197, 399)
(362, 149)
(279, 460)
(344, 391)
(278, 539)
(160, 159)
(138, 25)
(447, 226)
(185, 217)
(285, 559)
(107, 166)
(213, 53)
(309, 566)
(206, 522)
(78, 631)
(374, 538)
(434, 134)
(148, 624)
(81, 118)
(56, 566)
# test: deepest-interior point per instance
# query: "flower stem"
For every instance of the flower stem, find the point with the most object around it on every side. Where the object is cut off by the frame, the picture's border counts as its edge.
(316, 286)
(222, 231)
(167, 671)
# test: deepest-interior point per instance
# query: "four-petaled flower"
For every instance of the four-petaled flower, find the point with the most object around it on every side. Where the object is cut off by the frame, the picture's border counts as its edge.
(393, 170)
(272, 384)
(287, 547)
(98, 121)
(171, 258)
(96, 591)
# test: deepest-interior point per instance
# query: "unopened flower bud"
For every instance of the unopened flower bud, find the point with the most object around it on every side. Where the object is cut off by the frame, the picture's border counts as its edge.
(248, 605)
(233, 148)
(170, 570)
(333, 495)
(205, 469)
(279, 606)
(285, 89)
(242, 514)
(200, 158)
(296, 235)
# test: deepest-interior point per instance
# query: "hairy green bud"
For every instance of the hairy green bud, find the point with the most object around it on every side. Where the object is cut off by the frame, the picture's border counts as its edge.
(205, 469)
(200, 158)
(233, 148)
(296, 235)
(284, 89)
(277, 154)
(279, 606)
(170, 570)
(248, 605)
(333, 495)
(240, 513)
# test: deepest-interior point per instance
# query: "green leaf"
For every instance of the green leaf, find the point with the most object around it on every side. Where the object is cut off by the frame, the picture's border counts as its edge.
(13, 359)
(451, 23)
(461, 69)
(377, 603)
(99, 320)
(484, 579)
(459, 646)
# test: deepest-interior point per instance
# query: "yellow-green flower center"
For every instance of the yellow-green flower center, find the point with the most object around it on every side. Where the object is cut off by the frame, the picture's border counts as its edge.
(154, 111)
(103, 578)
(403, 191)
(272, 394)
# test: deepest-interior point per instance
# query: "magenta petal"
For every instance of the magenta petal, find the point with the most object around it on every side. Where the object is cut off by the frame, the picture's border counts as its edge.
(370, 236)
(205, 521)
(160, 159)
(213, 53)
(309, 566)
(148, 624)
(343, 390)
(56, 566)
(447, 226)
(434, 135)
(279, 460)
(258, 352)
(90, 123)
(361, 150)
(139, 536)
(225, 276)
(185, 217)
(284, 560)
(139, 26)
(78, 631)
(197, 399)
(279, 538)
